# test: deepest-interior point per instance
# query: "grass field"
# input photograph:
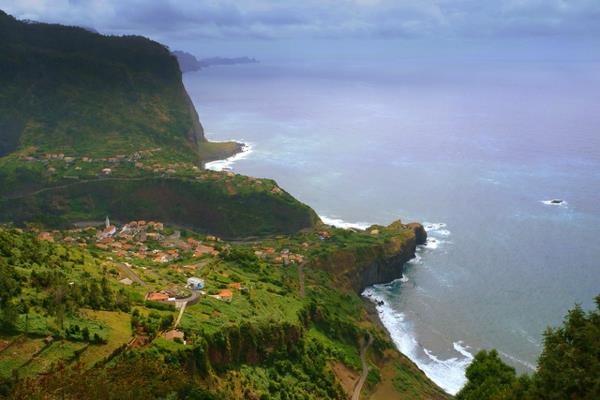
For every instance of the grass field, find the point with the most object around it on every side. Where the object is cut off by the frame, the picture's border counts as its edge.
(119, 333)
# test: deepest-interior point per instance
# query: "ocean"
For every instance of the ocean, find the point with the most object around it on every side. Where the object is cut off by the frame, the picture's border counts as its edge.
(473, 149)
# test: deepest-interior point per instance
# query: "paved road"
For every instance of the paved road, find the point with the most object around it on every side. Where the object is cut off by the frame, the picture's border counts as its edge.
(181, 304)
(365, 367)
(74, 183)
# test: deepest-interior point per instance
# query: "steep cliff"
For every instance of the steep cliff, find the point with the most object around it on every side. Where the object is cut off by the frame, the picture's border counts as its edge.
(66, 89)
(360, 266)
(93, 125)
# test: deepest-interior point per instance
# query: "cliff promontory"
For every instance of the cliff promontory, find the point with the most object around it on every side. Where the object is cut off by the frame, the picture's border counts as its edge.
(360, 265)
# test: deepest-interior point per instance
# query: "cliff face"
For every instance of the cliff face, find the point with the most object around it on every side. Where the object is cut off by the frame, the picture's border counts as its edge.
(66, 89)
(362, 266)
(204, 206)
(77, 107)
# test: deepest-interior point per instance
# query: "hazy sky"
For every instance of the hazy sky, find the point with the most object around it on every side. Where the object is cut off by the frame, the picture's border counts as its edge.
(263, 27)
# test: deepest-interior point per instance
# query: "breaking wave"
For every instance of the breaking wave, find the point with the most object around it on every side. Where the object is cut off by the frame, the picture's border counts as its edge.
(340, 223)
(448, 373)
(220, 165)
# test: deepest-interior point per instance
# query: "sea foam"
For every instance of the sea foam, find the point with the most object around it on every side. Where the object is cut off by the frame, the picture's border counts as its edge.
(437, 233)
(340, 223)
(551, 203)
(449, 373)
(220, 165)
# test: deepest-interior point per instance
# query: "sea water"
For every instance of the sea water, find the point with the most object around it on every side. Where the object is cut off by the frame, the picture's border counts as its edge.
(473, 150)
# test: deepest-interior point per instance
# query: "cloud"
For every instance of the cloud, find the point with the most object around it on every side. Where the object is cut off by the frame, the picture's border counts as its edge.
(273, 19)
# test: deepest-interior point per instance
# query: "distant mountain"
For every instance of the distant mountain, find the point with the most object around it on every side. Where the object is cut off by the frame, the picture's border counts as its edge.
(188, 62)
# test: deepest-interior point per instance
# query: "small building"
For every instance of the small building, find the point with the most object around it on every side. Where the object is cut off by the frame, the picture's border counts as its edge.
(203, 249)
(47, 236)
(157, 296)
(175, 334)
(106, 171)
(225, 295)
(195, 283)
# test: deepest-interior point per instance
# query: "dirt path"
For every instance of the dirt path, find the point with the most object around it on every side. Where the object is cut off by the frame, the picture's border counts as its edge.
(129, 272)
(365, 367)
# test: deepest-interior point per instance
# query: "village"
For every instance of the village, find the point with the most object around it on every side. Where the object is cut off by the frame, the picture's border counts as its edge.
(165, 265)
(140, 164)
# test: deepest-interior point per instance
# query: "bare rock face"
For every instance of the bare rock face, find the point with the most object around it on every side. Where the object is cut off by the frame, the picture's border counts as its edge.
(420, 232)
(360, 267)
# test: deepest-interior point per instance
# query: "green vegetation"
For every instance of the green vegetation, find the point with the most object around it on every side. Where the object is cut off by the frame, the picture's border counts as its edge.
(568, 368)
(68, 90)
(92, 125)
(72, 320)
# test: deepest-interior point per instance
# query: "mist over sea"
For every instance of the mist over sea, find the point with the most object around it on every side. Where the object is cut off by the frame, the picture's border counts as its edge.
(472, 149)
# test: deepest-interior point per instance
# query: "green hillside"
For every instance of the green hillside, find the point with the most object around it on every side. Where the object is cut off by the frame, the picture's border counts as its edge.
(68, 90)
(92, 125)
(82, 317)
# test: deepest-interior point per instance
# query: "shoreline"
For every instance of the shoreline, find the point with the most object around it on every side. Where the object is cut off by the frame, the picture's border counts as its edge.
(243, 149)
(447, 373)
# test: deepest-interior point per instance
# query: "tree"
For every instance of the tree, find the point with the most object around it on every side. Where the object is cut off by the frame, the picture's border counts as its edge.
(488, 378)
(85, 334)
(568, 368)
(94, 299)
(25, 310)
(9, 289)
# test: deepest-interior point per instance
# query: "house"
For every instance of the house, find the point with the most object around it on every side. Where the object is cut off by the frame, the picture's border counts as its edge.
(163, 258)
(175, 334)
(202, 249)
(324, 235)
(235, 285)
(157, 296)
(195, 283)
(225, 295)
(47, 236)
(106, 171)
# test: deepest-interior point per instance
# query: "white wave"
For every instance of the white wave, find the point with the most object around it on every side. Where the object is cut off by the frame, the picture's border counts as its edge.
(458, 346)
(340, 223)
(433, 226)
(220, 165)
(416, 260)
(432, 243)
(436, 228)
(555, 202)
(449, 373)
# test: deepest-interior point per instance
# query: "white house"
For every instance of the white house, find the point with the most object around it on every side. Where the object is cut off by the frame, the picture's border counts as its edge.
(195, 283)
